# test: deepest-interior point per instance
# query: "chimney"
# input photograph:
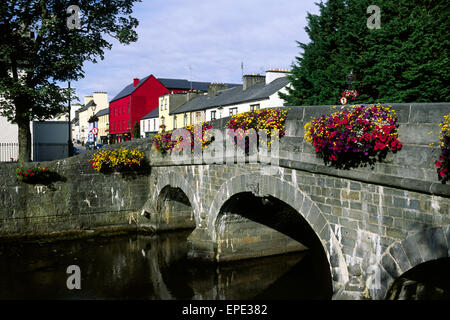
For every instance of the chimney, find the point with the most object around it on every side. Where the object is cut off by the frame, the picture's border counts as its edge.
(191, 95)
(214, 88)
(88, 99)
(135, 82)
(273, 74)
(250, 80)
(101, 99)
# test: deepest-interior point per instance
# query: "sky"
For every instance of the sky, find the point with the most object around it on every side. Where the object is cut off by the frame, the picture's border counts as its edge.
(202, 40)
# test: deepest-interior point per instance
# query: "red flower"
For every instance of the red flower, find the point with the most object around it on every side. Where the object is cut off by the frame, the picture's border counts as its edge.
(438, 164)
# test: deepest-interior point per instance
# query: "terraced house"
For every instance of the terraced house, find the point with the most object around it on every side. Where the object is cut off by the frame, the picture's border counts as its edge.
(141, 97)
(256, 92)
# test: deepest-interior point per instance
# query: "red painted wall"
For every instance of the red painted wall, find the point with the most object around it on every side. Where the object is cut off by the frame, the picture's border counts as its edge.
(143, 100)
(118, 115)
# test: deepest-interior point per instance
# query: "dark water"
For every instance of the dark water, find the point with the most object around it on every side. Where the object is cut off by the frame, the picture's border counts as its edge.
(154, 267)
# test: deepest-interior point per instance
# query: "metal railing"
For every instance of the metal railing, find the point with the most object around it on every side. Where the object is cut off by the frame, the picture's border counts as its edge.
(9, 151)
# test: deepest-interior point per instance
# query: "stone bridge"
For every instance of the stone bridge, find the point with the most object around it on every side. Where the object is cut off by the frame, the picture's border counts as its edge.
(372, 224)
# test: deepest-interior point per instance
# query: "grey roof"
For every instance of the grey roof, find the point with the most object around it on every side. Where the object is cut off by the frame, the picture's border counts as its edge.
(85, 107)
(152, 114)
(102, 112)
(182, 84)
(234, 95)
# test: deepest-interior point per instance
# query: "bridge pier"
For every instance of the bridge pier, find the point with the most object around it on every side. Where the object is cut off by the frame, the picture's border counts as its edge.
(238, 238)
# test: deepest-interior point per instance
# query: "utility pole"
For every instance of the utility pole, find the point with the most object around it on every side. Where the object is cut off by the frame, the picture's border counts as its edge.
(69, 142)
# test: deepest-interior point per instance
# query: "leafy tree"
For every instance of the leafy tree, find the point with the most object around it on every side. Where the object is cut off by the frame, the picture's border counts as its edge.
(41, 44)
(405, 60)
(136, 130)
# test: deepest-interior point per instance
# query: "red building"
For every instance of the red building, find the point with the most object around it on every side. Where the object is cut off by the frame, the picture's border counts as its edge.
(138, 99)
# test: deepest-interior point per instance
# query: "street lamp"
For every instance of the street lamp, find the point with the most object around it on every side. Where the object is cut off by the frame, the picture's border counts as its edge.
(93, 106)
(69, 142)
(350, 77)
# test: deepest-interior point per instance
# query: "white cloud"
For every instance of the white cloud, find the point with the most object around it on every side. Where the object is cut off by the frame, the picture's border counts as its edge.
(212, 37)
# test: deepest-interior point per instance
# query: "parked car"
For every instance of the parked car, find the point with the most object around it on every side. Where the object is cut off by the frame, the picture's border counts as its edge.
(89, 145)
(99, 146)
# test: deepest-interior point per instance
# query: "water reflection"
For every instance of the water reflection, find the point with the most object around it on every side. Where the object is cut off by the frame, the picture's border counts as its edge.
(154, 267)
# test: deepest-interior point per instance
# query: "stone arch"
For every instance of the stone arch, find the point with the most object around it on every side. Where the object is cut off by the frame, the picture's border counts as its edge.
(423, 246)
(265, 185)
(173, 180)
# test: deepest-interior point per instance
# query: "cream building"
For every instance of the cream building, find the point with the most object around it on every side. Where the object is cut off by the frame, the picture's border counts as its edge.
(169, 103)
(103, 125)
(92, 104)
(256, 92)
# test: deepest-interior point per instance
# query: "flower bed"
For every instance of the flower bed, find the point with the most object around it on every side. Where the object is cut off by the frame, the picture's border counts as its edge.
(355, 136)
(36, 175)
(268, 120)
(443, 164)
(163, 141)
(117, 160)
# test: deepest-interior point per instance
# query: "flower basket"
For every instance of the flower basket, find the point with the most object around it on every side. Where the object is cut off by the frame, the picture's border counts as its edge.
(443, 163)
(163, 141)
(348, 95)
(268, 120)
(118, 160)
(37, 175)
(358, 136)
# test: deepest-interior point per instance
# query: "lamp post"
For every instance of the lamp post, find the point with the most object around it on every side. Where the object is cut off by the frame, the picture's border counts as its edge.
(69, 142)
(350, 77)
(93, 107)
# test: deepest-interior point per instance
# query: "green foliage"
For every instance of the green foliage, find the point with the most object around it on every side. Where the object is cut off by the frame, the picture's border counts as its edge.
(38, 50)
(136, 130)
(406, 60)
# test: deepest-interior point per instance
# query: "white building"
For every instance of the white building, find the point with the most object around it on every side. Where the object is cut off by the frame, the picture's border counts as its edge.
(9, 140)
(92, 104)
(150, 123)
(256, 92)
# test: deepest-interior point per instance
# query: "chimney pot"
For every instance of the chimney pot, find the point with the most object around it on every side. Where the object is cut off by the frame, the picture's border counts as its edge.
(214, 88)
(135, 82)
(252, 79)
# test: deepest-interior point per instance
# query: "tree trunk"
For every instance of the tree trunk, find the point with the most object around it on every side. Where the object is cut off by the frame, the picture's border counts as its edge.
(24, 140)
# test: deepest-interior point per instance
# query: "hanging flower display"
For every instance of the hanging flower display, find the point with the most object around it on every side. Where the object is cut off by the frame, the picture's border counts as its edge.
(360, 135)
(443, 163)
(37, 175)
(348, 95)
(268, 120)
(163, 141)
(117, 160)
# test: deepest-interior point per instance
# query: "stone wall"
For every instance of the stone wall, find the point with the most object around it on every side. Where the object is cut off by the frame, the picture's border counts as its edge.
(85, 202)
(371, 234)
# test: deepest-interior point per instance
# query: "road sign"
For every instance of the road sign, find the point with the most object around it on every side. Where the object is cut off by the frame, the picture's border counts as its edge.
(94, 131)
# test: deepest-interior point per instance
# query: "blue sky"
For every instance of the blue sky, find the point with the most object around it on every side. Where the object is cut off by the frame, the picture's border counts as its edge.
(212, 37)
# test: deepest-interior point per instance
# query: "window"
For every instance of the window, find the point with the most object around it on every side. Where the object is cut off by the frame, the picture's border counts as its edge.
(129, 107)
(185, 119)
(254, 107)
(213, 115)
(175, 122)
(233, 111)
(123, 125)
(165, 104)
(163, 121)
(129, 124)
(118, 109)
(197, 117)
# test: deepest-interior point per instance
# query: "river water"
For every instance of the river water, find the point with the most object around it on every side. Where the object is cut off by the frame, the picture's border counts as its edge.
(154, 267)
